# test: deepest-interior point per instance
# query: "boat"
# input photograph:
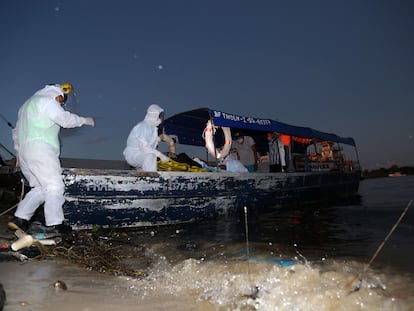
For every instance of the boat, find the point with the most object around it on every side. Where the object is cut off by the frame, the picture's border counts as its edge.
(396, 174)
(122, 197)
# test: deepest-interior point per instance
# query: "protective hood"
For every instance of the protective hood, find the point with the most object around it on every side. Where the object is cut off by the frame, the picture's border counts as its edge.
(50, 91)
(154, 115)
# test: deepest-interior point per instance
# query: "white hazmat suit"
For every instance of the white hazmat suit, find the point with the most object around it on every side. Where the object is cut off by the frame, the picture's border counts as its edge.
(140, 151)
(36, 140)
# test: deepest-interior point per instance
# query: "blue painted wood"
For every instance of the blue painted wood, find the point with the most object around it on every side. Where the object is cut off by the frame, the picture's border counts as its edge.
(126, 198)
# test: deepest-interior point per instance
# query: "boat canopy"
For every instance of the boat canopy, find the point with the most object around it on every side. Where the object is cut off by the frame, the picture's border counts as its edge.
(188, 127)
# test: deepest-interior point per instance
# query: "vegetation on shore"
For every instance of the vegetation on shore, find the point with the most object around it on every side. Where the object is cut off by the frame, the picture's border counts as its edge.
(385, 172)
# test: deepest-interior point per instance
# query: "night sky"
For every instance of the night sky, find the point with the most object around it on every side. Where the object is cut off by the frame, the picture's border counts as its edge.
(337, 66)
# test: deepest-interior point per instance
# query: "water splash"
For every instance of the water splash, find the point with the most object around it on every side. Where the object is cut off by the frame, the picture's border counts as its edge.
(225, 285)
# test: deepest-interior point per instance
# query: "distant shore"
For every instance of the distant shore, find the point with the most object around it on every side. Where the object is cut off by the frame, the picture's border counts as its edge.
(389, 172)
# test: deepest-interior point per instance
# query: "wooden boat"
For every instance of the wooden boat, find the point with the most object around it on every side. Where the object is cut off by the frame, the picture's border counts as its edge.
(123, 197)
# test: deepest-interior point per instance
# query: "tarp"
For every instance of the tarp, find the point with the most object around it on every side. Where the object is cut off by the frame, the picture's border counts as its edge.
(188, 127)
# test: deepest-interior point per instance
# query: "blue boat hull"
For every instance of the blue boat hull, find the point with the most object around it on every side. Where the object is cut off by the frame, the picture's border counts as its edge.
(126, 198)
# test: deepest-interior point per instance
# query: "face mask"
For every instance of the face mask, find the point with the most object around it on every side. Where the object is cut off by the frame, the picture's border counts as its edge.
(71, 103)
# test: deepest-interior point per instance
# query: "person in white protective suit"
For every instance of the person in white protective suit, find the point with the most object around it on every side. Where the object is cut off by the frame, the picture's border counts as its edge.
(36, 140)
(141, 149)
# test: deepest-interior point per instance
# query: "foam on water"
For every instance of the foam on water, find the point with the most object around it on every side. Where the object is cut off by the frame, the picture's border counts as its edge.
(204, 266)
(259, 285)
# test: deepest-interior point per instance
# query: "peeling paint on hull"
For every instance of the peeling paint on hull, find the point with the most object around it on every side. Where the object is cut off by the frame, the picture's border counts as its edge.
(126, 198)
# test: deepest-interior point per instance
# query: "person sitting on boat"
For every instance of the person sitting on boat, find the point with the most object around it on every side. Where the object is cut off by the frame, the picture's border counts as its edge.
(245, 146)
(36, 140)
(277, 160)
(141, 149)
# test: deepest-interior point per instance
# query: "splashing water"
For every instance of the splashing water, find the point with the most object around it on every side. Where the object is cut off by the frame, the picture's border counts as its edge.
(225, 285)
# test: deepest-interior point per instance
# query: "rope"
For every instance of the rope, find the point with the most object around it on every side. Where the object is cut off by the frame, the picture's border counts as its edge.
(360, 275)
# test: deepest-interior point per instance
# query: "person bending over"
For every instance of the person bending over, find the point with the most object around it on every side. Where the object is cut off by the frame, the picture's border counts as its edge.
(141, 148)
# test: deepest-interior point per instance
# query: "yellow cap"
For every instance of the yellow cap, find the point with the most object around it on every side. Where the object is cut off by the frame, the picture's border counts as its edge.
(67, 88)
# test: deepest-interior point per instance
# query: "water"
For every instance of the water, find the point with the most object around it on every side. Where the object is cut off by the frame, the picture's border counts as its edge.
(297, 258)
(234, 263)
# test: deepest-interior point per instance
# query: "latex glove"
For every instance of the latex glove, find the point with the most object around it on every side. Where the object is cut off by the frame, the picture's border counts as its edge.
(89, 121)
(163, 158)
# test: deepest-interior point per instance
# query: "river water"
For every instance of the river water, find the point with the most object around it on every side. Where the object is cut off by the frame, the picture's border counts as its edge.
(320, 257)
(297, 258)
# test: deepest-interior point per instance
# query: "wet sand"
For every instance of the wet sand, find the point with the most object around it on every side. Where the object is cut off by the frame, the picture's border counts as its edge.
(30, 286)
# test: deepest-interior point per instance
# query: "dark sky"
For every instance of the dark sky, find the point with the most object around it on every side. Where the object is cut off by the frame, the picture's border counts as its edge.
(337, 66)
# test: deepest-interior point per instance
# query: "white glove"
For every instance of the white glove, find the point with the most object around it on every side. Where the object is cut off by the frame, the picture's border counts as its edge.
(89, 121)
(163, 158)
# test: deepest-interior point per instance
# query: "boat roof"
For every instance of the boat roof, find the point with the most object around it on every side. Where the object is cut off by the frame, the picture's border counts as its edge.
(188, 127)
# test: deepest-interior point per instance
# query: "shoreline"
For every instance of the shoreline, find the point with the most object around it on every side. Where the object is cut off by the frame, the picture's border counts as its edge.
(31, 284)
